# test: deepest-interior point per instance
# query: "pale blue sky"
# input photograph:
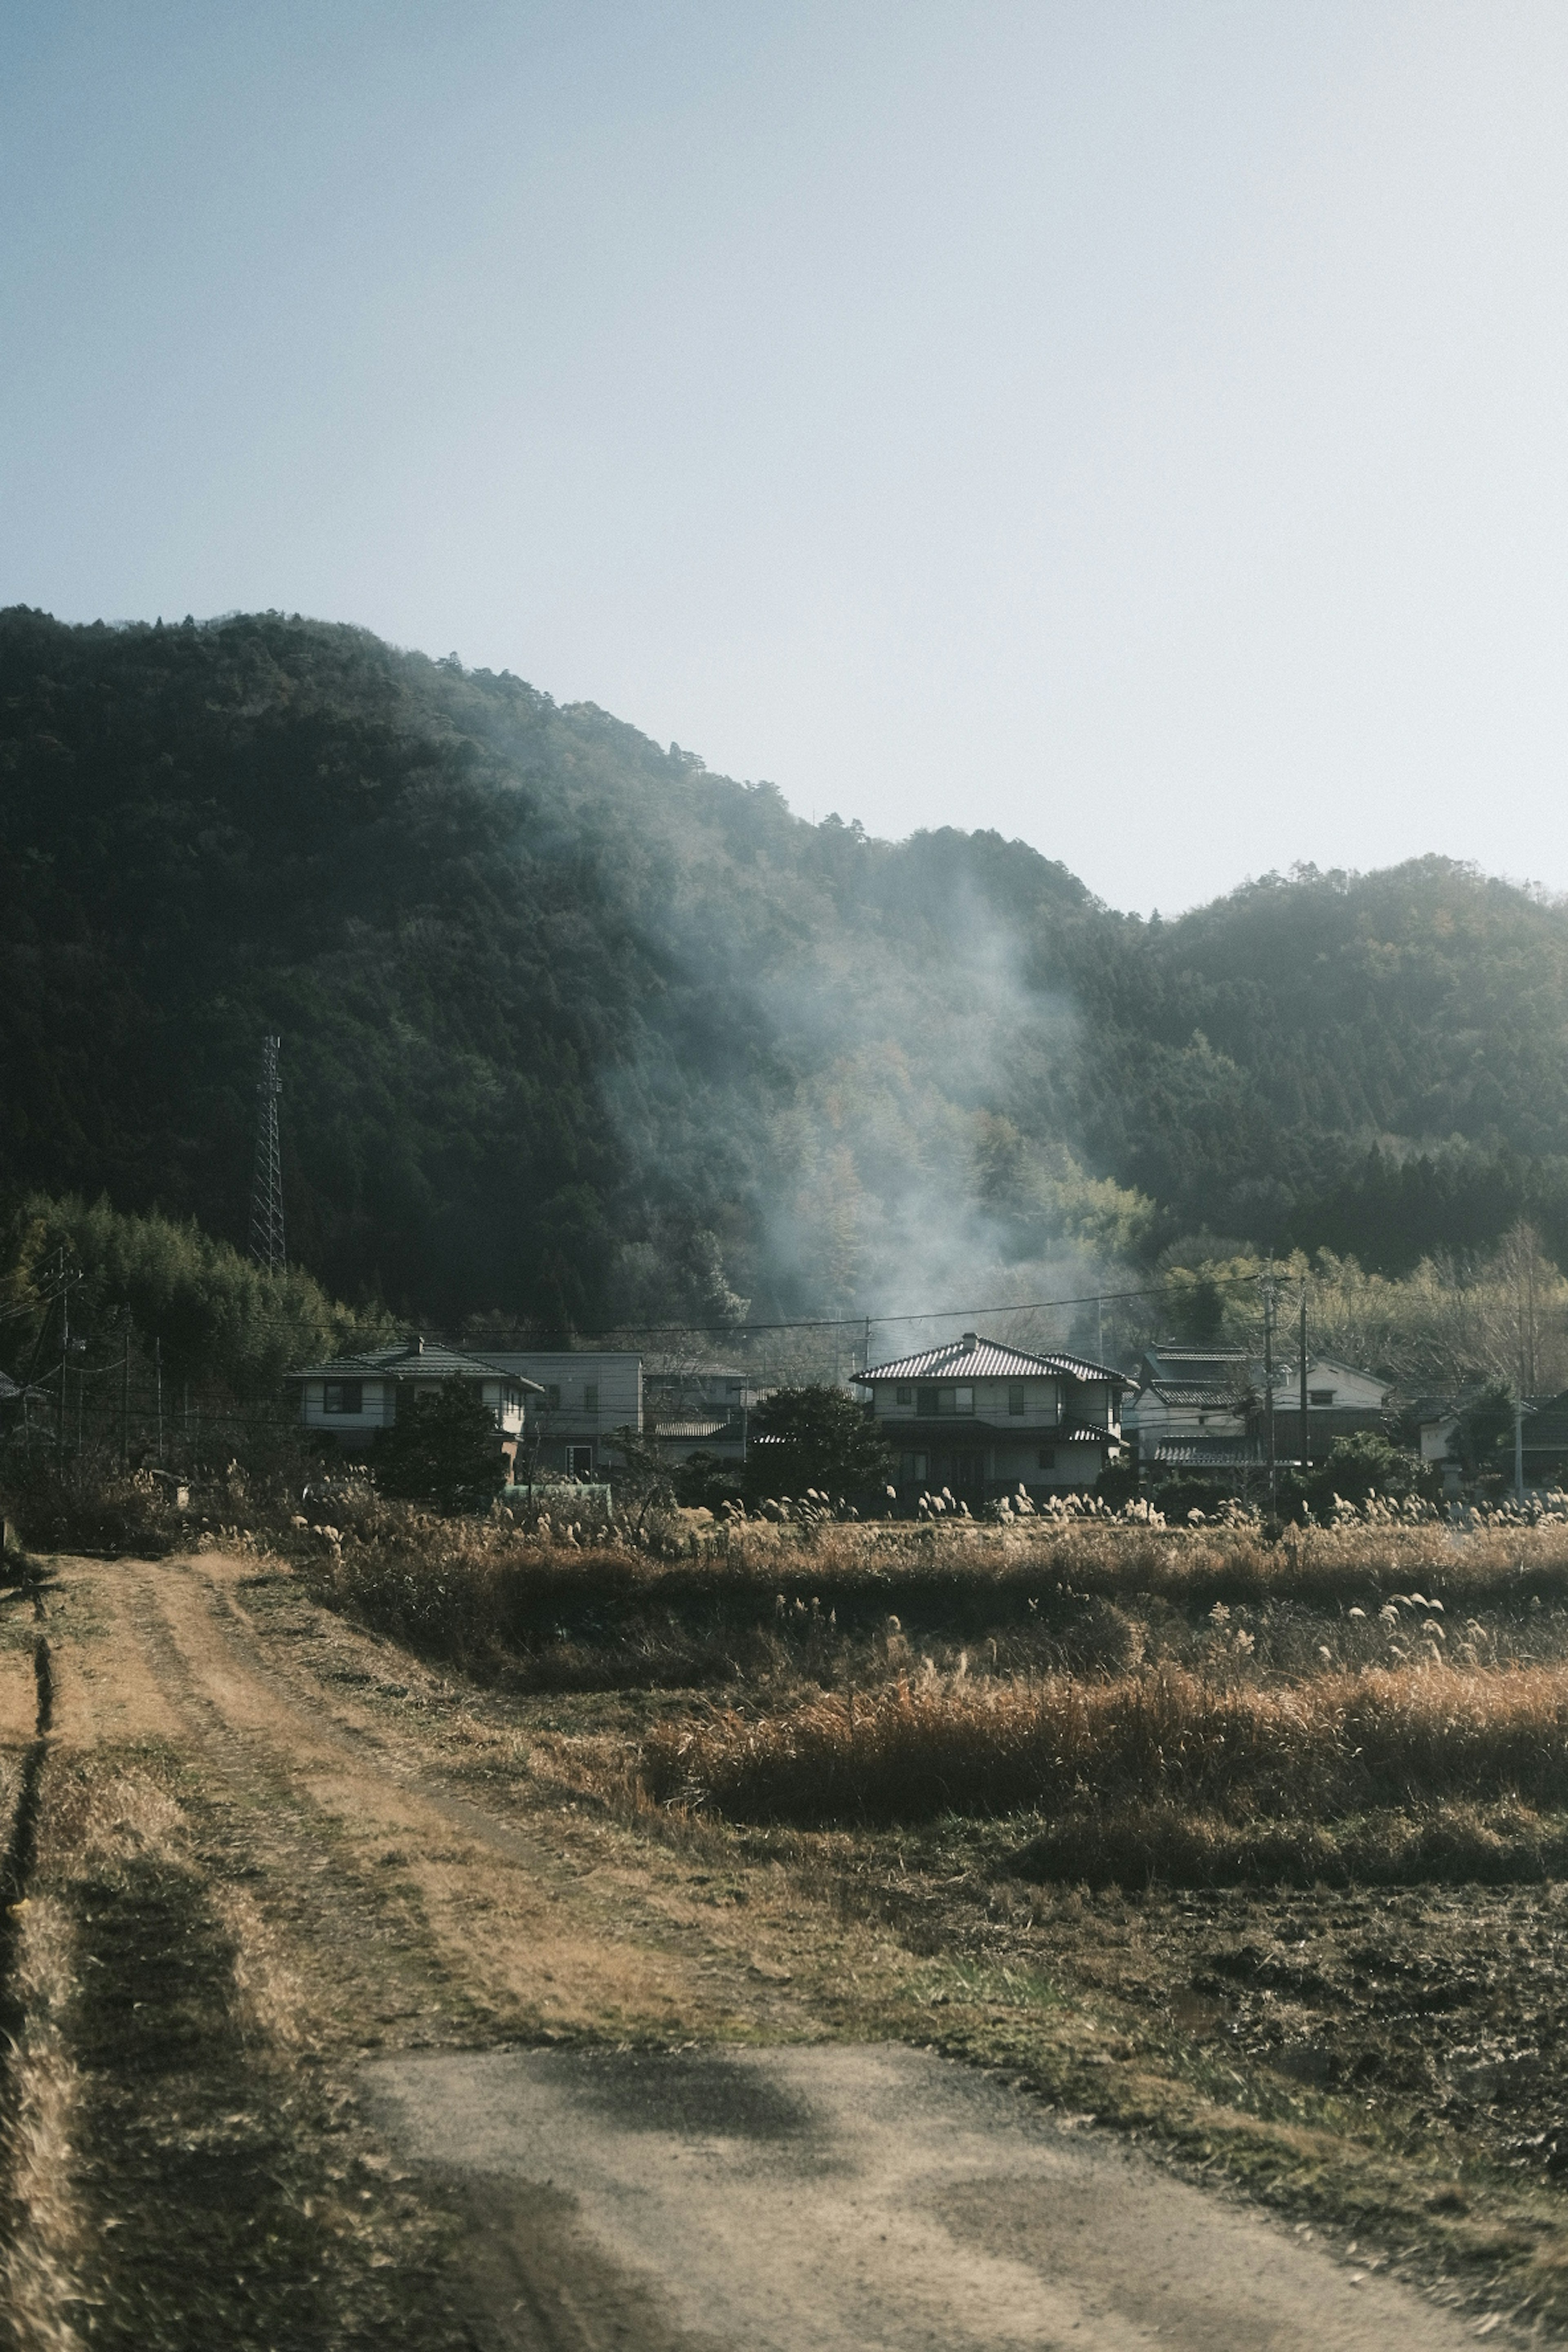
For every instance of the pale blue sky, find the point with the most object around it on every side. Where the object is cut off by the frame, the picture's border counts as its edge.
(1141, 428)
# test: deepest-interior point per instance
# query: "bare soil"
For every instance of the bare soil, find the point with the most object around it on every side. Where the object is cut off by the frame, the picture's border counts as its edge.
(269, 1849)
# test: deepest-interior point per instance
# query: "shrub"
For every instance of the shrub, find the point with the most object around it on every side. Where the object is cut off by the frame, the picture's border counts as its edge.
(817, 1437)
(444, 1450)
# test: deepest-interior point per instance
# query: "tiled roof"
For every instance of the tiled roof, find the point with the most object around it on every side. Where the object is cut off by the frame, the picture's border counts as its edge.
(722, 1427)
(1213, 1394)
(427, 1360)
(1206, 1454)
(983, 1360)
(1086, 1433)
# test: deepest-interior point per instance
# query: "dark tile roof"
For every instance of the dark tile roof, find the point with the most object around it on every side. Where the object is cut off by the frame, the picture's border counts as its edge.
(427, 1360)
(983, 1360)
(1217, 1398)
(1206, 1454)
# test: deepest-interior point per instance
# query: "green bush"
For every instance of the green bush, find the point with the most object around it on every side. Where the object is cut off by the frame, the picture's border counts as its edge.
(445, 1449)
(815, 1436)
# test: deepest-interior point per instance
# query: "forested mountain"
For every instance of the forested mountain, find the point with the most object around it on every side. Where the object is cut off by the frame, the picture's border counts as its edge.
(579, 1033)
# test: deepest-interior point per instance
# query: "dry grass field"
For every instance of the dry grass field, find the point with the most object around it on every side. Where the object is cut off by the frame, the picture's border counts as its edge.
(1257, 1852)
(1291, 1818)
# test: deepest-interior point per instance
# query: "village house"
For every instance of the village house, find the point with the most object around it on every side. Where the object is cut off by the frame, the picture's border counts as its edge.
(1202, 1410)
(1340, 1400)
(1191, 1410)
(1448, 1437)
(353, 1397)
(1545, 1441)
(983, 1420)
(702, 1411)
(583, 1397)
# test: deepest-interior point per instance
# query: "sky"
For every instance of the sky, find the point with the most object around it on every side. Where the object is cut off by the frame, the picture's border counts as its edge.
(1138, 428)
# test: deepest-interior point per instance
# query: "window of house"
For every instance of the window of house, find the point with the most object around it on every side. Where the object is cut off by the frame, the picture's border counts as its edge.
(963, 1399)
(904, 1396)
(913, 1468)
(343, 1396)
(552, 1396)
(590, 1396)
(928, 1401)
(1046, 1457)
(1319, 1396)
(1016, 1397)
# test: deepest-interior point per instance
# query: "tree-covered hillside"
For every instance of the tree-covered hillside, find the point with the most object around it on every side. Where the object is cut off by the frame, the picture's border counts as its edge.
(1376, 1062)
(577, 1032)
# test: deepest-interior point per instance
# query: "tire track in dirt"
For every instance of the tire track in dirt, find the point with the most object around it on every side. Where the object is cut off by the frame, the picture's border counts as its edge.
(282, 1796)
(227, 2189)
(17, 1862)
(539, 1941)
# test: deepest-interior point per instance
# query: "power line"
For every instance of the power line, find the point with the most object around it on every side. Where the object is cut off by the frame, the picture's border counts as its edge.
(915, 1315)
(407, 1326)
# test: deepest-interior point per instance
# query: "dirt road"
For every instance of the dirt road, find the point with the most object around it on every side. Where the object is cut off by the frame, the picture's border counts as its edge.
(296, 1926)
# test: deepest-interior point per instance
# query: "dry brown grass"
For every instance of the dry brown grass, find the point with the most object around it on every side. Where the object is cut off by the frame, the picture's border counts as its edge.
(759, 1604)
(1337, 1744)
(42, 2244)
(269, 2001)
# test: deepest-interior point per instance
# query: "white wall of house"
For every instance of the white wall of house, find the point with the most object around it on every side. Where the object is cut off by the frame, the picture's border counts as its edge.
(1330, 1388)
(1437, 1436)
(378, 1407)
(1043, 1462)
(379, 1402)
(1033, 1404)
(587, 1395)
(588, 1391)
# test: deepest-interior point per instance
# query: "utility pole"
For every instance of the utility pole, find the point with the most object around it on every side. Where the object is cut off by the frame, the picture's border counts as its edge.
(64, 1359)
(1519, 1449)
(125, 1404)
(1306, 1448)
(267, 1188)
(1269, 1389)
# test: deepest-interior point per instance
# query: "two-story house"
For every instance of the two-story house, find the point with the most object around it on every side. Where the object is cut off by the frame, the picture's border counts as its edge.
(353, 1397)
(583, 1398)
(983, 1418)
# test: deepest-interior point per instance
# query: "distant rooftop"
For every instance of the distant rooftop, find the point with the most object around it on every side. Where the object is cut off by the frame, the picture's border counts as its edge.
(425, 1359)
(975, 1359)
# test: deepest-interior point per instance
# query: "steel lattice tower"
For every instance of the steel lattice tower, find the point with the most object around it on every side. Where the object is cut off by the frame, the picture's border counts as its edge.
(267, 1191)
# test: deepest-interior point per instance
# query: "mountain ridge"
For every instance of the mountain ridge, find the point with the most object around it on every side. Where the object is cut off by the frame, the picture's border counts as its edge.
(577, 1031)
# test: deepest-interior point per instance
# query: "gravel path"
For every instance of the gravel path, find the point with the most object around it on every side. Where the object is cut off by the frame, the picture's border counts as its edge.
(814, 2199)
